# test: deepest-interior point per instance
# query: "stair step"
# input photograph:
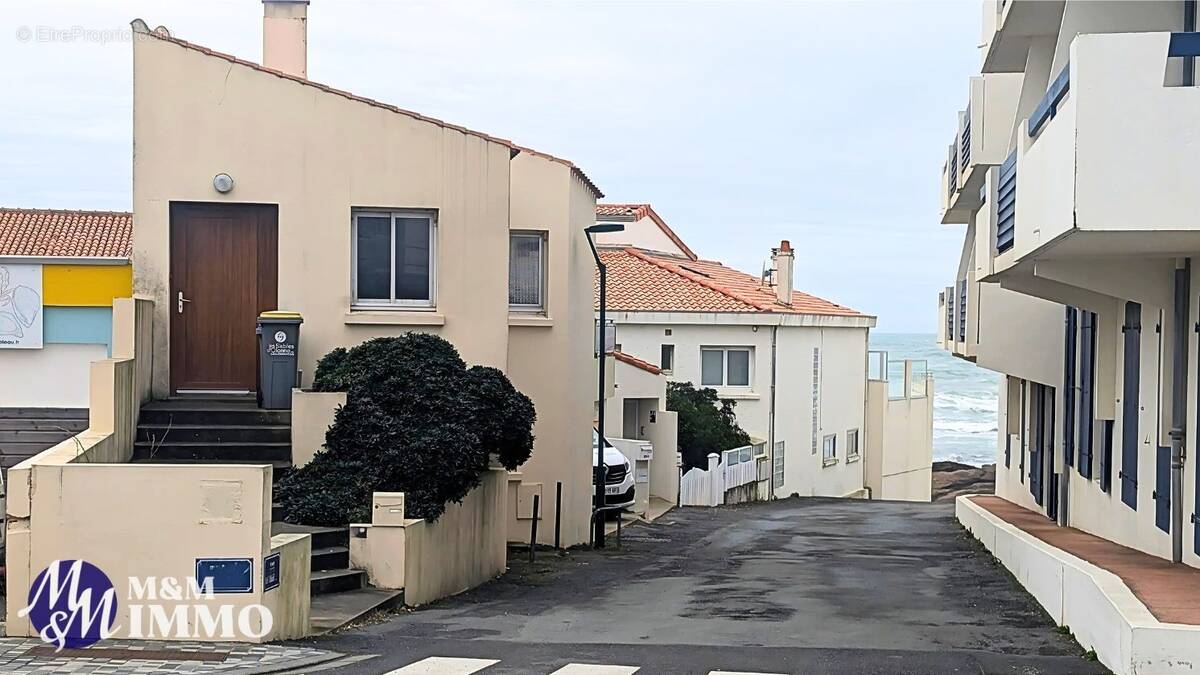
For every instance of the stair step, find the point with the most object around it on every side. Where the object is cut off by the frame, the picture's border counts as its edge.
(216, 434)
(44, 413)
(33, 436)
(332, 611)
(277, 465)
(330, 558)
(337, 581)
(64, 425)
(218, 452)
(212, 415)
(322, 537)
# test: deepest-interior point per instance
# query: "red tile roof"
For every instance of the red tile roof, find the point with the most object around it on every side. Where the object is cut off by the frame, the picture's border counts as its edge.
(639, 211)
(62, 233)
(645, 281)
(637, 363)
(161, 33)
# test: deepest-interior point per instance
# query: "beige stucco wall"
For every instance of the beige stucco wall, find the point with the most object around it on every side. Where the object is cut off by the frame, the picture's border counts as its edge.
(312, 415)
(317, 155)
(899, 444)
(550, 356)
(463, 548)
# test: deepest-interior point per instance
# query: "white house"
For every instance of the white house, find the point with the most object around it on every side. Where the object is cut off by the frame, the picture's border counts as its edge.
(1076, 284)
(794, 364)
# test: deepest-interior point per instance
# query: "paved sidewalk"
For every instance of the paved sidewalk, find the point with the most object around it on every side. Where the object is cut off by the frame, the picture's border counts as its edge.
(22, 656)
(1171, 592)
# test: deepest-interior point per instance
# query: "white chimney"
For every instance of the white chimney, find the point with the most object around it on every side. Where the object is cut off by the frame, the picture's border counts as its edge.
(782, 263)
(285, 36)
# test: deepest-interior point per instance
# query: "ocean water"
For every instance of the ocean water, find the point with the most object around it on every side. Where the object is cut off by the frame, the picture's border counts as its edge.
(965, 413)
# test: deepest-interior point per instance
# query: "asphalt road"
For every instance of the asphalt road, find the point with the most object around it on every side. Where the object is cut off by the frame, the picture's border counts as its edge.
(796, 586)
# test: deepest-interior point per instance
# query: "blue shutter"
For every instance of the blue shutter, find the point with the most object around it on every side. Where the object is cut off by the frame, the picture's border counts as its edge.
(1087, 374)
(1039, 440)
(1021, 436)
(1006, 204)
(1069, 389)
(1107, 428)
(1162, 488)
(1130, 403)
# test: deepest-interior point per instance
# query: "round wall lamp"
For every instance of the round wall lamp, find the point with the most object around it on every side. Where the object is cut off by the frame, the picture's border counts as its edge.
(222, 183)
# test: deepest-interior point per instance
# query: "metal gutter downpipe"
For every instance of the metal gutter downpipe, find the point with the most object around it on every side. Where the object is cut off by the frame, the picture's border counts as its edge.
(1179, 378)
(771, 417)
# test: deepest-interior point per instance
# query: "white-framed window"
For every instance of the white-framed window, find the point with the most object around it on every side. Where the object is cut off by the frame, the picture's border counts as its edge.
(829, 450)
(852, 451)
(527, 271)
(725, 366)
(666, 360)
(393, 258)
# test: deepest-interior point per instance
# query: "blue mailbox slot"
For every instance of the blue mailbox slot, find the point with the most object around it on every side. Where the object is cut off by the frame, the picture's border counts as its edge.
(271, 572)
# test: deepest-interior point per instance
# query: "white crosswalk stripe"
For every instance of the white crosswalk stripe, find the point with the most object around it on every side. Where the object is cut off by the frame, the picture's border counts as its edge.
(591, 669)
(443, 665)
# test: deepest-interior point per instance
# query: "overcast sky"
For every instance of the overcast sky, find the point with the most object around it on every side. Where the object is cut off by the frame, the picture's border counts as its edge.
(744, 123)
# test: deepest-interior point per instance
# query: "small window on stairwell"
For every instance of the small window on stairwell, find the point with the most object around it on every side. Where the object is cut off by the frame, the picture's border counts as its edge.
(829, 450)
(667, 360)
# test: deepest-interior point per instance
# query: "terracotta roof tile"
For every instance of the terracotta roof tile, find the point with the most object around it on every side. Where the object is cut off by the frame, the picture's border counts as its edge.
(161, 34)
(644, 281)
(639, 211)
(637, 363)
(62, 233)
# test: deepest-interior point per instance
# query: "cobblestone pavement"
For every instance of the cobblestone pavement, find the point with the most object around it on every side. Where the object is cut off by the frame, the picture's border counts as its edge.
(20, 656)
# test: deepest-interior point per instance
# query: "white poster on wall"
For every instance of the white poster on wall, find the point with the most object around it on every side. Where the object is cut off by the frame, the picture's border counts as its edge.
(20, 306)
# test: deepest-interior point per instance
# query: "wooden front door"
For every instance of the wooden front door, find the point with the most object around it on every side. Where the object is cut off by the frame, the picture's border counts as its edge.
(224, 261)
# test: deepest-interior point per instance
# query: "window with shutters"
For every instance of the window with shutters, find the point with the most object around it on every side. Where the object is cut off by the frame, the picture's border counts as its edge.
(527, 271)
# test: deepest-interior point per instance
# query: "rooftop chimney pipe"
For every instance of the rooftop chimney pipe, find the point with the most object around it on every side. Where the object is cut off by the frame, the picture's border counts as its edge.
(285, 36)
(782, 264)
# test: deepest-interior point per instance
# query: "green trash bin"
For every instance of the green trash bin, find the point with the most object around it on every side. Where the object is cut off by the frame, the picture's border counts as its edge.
(278, 346)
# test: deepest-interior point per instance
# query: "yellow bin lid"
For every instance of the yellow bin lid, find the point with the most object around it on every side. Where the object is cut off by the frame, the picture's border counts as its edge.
(280, 314)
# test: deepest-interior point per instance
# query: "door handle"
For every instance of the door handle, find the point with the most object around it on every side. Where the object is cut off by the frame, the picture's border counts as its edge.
(181, 300)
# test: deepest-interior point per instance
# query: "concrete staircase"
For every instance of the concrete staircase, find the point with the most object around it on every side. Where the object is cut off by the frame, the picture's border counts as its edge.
(24, 432)
(234, 430)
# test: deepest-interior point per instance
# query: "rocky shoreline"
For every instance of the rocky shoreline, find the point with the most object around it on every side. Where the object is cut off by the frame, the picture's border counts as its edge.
(951, 479)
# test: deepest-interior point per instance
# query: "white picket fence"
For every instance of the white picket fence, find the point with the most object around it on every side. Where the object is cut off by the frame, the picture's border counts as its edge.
(710, 488)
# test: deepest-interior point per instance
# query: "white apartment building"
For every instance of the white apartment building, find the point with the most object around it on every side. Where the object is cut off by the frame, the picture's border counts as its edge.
(1068, 169)
(795, 365)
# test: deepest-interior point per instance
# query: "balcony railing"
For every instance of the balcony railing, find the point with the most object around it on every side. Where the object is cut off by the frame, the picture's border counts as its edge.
(1048, 107)
(962, 310)
(964, 142)
(950, 314)
(1006, 205)
(952, 183)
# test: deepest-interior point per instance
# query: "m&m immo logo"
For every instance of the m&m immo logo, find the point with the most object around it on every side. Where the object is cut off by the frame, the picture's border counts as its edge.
(72, 604)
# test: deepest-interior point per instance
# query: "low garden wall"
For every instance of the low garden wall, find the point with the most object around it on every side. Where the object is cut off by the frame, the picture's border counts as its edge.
(462, 549)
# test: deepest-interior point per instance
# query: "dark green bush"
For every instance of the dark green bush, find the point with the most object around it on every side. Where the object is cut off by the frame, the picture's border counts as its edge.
(706, 423)
(417, 421)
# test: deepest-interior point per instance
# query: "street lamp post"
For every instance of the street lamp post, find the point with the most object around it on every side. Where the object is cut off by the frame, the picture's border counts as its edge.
(598, 468)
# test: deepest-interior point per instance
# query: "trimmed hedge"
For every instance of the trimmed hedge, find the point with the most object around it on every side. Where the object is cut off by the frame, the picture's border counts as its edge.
(416, 420)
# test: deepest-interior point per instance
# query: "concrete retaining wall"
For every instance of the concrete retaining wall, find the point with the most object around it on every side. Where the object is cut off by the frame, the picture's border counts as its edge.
(1101, 611)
